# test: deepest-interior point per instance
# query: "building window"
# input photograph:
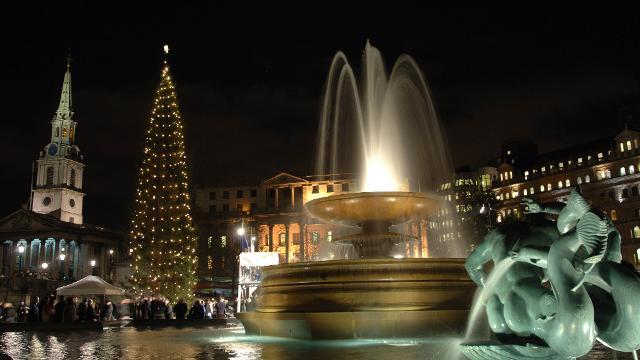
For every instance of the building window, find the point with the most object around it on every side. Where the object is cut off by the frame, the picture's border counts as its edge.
(625, 193)
(212, 195)
(71, 134)
(549, 187)
(225, 208)
(628, 144)
(634, 190)
(209, 262)
(510, 174)
(524, 192)
(225, 194)
(315, 189)
(212, 208)
(72, 178)
(636, 232)
(330, 188)
(329, 236)
(541, 188)
(57, 131)
(253, 207)
(239, 207)
(600, 156)
(621, 147)
(632, 170)
(254, 193)
(49, 175)
(579, 160)
(543, 169)
(623, 171)
(560, 184)
(587, 179)
(614, 215)
(567, 183)
(64, 132)
(531, 191)
(608, 174)
(579, 180)
(314, 238)
(239, 194)
(561, 165)
(283, 239)
(507, 196)
(612, 195)
(223, 241)
(501, 177)
(345, 187)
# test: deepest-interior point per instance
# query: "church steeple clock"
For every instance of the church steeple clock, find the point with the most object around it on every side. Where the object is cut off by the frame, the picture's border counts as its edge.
(58, 183)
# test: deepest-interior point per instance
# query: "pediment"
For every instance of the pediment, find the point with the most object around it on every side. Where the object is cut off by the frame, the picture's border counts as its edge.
(26, 220)
(284, 178)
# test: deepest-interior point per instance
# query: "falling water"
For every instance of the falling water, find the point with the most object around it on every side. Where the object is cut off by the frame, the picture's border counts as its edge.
(385, 130)
(483, 293)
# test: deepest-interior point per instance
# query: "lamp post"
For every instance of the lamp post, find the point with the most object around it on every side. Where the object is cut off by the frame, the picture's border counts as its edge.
(110, 264)
(93, 267)
(241, 234)
(44, 268)
(20, 252)
(62, 273)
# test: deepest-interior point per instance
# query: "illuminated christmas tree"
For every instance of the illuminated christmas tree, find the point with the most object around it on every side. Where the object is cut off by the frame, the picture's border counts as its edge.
(162, 237)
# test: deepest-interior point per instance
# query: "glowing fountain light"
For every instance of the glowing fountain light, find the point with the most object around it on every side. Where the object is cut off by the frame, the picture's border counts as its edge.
(379, 176)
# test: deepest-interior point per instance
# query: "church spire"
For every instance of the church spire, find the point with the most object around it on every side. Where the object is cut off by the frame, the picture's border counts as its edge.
(65, 110)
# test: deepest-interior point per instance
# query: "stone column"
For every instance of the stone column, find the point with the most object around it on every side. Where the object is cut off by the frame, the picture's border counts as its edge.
(303, 240)
(270, 238)
(293, 197)
(42, 252)
(277, 197)
(286, 239)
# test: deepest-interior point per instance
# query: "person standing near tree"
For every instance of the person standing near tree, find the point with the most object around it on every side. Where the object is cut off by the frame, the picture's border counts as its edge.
(180, 309)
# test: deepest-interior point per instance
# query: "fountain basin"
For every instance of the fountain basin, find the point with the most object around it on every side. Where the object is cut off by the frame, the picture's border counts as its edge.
(368, 298)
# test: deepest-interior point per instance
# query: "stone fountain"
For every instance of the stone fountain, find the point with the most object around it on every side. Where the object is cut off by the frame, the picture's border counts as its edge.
(397, 135)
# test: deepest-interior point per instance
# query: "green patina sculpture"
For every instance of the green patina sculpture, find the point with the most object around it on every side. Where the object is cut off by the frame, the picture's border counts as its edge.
(566, 289)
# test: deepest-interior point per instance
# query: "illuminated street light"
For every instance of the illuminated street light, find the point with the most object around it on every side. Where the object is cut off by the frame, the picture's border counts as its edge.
(93, 267)
(241, 231)
(45, 266)
(62, 257)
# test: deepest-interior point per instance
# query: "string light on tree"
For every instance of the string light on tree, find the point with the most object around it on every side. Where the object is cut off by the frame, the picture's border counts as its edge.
(162, 236)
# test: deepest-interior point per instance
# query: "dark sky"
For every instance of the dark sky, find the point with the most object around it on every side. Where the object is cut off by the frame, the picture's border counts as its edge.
(250, 80)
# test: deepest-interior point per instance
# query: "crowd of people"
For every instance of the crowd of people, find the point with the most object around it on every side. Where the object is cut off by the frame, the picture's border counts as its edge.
(48, 309)
(160, 308)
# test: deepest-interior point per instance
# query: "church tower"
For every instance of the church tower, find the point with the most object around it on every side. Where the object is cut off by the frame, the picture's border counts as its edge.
(58, 183)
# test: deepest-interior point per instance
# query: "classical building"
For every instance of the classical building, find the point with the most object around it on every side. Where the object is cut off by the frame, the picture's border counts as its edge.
(606, 169)
(50, 239)
(271, 214)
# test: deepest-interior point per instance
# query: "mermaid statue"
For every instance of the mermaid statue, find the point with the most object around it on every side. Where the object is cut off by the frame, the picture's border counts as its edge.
(566, 289)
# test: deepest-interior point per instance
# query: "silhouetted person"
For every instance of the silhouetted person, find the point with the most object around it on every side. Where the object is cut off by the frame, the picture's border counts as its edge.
(82, 310)
(59, 309)
(90, 312)
(69, 312)
(180, 309)
(34, 311)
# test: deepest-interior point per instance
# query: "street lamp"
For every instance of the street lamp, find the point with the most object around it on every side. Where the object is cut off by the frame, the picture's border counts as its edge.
(93, 267)
(62, 274)
(44, 268)
(111, 264)
(20, 252)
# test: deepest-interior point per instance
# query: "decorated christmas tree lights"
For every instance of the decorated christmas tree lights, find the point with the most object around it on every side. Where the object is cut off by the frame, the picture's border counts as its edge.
(162, 236)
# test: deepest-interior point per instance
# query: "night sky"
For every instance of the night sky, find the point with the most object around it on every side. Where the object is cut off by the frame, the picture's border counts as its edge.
(250, 80)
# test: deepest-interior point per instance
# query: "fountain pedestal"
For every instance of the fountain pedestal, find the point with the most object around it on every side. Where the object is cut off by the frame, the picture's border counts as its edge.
(375, 296)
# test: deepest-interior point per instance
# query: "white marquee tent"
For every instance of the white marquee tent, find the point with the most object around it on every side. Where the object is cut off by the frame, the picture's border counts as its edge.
(89, 285)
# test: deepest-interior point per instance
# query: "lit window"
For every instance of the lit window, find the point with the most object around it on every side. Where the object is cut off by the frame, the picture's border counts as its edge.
(531, 190)
(632, 170)
(628, 144)
(567, 183)
(549, 187)
(579, 160)
(64, 132)
(560, 184)
(329, 236)
(510, 174)
(283, 239)
(636, 235)
(561, 165)
(588, 157)
(635, 143)
(524, 192)
(600, 155)
(315, 189)
(579, 180)
(608, 174)
(541, 188)
(501, 178)
(621, 147)
(587, 179)
(507, 196)
(614, 215)
(508, 152)
(623, 171)
(543, 169)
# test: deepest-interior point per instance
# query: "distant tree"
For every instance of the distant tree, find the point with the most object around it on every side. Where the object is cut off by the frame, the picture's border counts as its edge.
(480, 212)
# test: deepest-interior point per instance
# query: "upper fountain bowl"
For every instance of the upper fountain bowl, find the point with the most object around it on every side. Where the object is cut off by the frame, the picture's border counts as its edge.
(385, 207)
